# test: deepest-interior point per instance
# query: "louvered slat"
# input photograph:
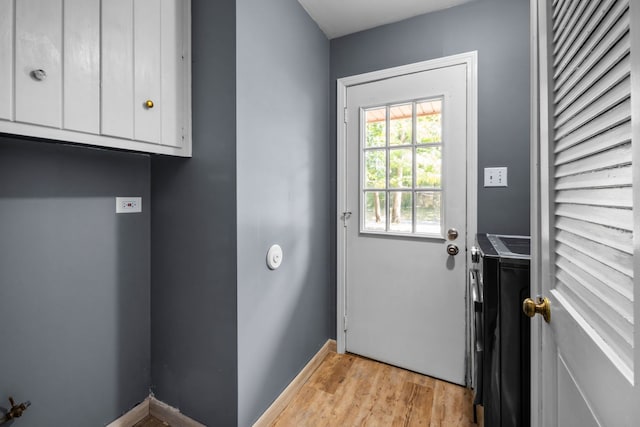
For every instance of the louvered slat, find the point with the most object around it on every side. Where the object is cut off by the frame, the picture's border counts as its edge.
(606, 140)
(610, 217)
(619, 197)
(566, 21)
(569, 274)
(609, 278)
(580, 98)
(577, 23)
(606, 102)
(594, 50)
(598, 62)
(612, 257)
(596, 29)
(615, 338)
(611, 158)
(615, 177)
(610, 297)
(593, 179)
(619, 114)
(604, 235)
(559, 8)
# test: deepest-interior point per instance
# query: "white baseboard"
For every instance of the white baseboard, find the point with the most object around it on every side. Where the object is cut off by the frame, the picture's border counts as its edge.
(171, 415)
(174, 417)
(158, 409)
(134, 416)
(294, 386)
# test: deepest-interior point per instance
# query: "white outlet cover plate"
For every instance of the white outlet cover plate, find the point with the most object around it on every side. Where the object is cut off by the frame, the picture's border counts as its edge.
(495, 177)
(128, 204)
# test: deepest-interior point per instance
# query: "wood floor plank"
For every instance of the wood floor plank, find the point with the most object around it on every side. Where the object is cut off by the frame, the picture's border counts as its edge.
(349, 390)
(150, 421)
(417, 403)
(333, 373)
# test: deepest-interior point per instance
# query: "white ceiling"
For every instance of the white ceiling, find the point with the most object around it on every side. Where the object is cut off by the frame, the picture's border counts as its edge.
(341, 17)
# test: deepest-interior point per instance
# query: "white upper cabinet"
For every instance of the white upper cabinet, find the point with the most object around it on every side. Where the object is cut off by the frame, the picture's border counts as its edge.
(81, 65)
(6, 59)
(38, 69)
(117, 68)
(109, 73)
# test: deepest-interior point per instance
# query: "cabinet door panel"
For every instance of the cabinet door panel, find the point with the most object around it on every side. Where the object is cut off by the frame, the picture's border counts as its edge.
(117, 68)
(147, 70)
(6, 59)
(82, 65)
(172, 72)
(38, 47)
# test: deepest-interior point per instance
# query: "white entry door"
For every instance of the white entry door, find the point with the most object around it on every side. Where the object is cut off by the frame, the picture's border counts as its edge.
(405, 189)
(585, 360)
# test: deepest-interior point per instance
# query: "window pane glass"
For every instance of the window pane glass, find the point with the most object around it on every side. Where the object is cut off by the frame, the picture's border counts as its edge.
(400, 168)
(428, 212)
(375, 165)
(429, 167)
(429, 121)
(401, 212)
(375, 210)
(400, 124)
(376, 127)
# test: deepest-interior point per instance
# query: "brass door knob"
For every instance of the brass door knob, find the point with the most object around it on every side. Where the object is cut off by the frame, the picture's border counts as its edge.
(540, 306)
(148, 103)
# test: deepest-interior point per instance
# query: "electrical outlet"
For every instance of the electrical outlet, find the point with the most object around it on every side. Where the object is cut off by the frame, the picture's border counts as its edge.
(128, 204)
(495, 177)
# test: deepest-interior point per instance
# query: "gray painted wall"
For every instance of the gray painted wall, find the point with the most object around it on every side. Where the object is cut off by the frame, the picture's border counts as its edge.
(499, 31)
(227, 334)
(74, 282)
(193, 304)
(284, 316)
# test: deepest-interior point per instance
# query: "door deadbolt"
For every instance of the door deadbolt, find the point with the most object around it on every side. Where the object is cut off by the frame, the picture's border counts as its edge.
(452, 249)
(452, 234)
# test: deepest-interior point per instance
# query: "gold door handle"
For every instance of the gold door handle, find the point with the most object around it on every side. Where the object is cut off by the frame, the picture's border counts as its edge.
(540, 306)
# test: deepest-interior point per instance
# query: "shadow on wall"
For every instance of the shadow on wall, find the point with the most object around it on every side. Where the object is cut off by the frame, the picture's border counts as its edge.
(74, 288)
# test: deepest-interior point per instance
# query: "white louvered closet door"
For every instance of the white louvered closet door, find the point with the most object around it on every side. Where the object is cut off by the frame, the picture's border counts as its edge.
(584, 255)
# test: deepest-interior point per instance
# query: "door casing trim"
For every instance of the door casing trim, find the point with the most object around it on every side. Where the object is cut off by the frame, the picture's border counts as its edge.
(470, 59)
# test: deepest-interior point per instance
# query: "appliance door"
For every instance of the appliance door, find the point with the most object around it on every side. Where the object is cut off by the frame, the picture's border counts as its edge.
(475, 284)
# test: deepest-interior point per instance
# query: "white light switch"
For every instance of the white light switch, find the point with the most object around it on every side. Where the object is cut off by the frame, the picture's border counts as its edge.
(495, 177)
(128, 204)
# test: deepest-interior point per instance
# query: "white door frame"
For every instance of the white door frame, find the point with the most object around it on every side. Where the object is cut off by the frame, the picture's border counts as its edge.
(470, 59)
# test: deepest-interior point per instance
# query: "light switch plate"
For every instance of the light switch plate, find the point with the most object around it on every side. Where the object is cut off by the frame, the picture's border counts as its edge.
(128, 204)
(495, 177)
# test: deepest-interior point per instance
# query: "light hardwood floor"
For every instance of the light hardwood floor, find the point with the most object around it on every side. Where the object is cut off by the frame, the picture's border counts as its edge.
(151, 421)
(348, 390)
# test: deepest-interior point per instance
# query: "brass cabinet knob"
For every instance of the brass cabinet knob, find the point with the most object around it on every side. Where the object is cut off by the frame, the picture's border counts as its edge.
(148, 103)
(540, 306)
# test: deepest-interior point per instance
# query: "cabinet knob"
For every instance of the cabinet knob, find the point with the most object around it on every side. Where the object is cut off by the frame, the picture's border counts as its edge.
(39, 75)
(148, 103)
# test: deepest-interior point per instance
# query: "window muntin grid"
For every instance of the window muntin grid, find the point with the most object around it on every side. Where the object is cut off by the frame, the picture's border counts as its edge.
(401, 168)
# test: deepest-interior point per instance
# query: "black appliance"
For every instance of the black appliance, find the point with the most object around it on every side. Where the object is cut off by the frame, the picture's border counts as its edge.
(502, 337)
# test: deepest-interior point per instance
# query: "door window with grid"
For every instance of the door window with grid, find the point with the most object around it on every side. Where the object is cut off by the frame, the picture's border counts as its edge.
(401, 168)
